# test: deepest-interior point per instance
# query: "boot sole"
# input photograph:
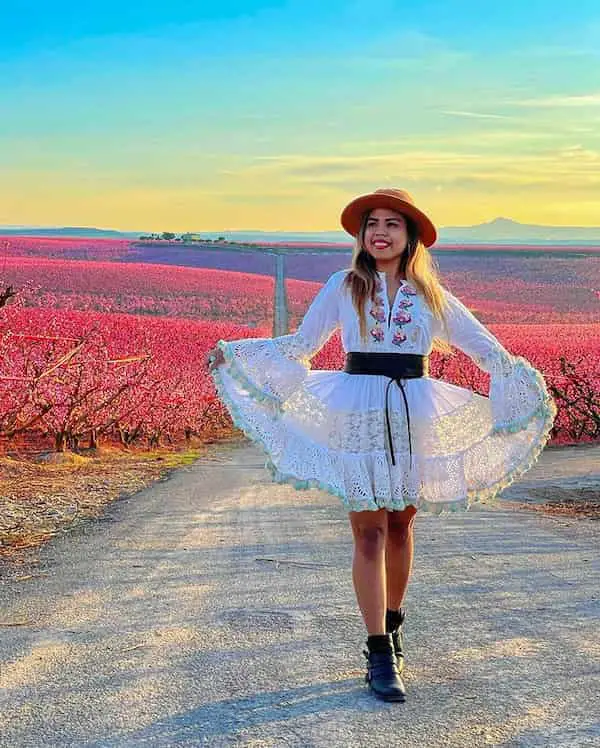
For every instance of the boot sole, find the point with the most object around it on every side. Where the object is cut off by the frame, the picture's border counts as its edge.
(400, 698)
(390, 699)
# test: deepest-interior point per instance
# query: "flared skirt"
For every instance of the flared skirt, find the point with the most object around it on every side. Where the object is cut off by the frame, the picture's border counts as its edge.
(330, 434)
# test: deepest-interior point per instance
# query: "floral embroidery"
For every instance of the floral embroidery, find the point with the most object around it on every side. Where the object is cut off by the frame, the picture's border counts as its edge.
(401, 318)
(399, 337)
(378, 313)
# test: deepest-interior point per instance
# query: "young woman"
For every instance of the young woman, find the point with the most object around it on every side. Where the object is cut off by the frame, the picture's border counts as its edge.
(383, 435)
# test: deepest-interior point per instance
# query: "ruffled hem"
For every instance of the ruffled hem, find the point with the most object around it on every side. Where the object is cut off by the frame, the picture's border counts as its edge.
(432, 507)
(317, 456)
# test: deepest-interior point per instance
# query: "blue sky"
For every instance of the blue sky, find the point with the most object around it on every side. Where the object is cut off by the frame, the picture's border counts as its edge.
(187, 116)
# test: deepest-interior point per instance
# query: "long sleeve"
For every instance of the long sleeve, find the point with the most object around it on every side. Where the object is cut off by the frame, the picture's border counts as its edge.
(270, 369)
(518, 392)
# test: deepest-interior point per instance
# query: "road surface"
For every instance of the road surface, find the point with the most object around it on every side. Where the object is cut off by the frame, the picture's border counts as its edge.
(216, 608)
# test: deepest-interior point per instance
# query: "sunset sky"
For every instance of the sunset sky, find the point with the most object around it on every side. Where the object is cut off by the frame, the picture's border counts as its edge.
(182, 115)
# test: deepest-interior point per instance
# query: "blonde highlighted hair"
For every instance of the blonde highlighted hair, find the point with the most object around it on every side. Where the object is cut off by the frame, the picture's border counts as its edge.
(416, 264)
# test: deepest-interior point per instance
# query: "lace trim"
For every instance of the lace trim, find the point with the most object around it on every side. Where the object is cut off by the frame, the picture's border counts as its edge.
(546, 408)
(237, 373)
(271, 369)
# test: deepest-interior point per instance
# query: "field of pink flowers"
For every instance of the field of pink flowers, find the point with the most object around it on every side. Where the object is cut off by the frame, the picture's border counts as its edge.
(208, 293)
(96, 349)
(163, 290)
(555, 285)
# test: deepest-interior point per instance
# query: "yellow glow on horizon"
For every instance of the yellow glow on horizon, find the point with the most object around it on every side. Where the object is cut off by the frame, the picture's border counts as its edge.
(297, 192)
(188, 210)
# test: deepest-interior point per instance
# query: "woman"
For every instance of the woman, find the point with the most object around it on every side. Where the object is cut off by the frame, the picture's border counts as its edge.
(382, 435)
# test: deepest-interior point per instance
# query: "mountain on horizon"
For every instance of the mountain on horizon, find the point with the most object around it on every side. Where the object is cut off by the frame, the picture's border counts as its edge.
(506, 230)
(498, 231)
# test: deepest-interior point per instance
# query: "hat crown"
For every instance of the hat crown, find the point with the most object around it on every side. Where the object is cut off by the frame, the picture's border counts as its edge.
(395, 192)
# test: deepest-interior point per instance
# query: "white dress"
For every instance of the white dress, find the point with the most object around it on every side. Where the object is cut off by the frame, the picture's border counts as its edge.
(326, 429)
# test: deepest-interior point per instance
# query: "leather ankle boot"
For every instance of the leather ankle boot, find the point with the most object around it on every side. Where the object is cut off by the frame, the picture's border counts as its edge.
(383, 675)
(393, 625)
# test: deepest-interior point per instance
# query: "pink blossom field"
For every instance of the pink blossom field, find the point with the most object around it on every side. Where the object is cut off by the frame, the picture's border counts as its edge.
(133, 335)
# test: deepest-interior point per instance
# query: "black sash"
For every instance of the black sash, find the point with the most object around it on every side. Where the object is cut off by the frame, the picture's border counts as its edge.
(397, 366)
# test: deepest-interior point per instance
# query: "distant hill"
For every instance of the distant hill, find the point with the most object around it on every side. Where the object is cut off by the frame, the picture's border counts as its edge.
(506, 231)
(83, 232)
(498, 231)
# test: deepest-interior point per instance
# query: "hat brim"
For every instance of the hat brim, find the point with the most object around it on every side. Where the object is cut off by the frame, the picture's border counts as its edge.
(354, 211)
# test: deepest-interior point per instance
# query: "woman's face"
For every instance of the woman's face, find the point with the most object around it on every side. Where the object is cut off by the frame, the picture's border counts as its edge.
(386, 235)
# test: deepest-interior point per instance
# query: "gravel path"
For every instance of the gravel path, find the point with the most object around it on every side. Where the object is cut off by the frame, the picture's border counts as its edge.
(216, 608)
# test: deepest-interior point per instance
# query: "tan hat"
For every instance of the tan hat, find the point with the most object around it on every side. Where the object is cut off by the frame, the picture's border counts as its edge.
(387, 197)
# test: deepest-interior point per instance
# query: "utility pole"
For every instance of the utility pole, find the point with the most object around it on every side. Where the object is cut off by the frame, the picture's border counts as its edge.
(280, 301)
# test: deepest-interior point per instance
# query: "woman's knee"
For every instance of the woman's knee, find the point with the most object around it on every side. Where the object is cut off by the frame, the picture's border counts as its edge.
(369, 534)
(400, 525)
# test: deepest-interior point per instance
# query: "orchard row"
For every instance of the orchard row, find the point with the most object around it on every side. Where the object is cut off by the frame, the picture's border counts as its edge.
(80, 377)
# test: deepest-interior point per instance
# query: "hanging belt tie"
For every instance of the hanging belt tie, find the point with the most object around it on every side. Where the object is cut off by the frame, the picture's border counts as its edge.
(396, 366)
(387, 419)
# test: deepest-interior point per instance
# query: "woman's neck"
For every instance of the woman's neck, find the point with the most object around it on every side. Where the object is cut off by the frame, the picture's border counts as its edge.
(392, 273)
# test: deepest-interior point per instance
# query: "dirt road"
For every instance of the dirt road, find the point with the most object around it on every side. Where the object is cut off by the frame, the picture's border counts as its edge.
(216, 608)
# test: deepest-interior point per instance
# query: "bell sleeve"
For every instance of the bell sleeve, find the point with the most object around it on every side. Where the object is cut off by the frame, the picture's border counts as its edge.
(271, 369)
(518, 394)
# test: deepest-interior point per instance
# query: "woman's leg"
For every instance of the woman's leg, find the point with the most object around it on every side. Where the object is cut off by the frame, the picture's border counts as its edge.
(398, 554)
(368, 573)
(369, 529)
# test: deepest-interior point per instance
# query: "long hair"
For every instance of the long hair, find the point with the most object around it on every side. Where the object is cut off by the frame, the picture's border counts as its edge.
(417, 265)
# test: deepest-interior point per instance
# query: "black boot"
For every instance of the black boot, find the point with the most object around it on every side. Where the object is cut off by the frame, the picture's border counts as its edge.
(382, 675)
(393, 625)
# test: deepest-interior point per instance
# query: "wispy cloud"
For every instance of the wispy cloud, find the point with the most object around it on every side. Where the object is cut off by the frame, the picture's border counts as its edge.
(581, 153)
(574, 167)
(475, 115)
(487, 138)
(583, 100)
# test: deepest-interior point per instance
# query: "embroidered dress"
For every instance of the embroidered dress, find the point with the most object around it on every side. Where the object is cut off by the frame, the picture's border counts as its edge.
(327, 429)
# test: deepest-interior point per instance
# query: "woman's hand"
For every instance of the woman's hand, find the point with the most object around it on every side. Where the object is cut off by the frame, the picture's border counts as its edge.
(214, 358)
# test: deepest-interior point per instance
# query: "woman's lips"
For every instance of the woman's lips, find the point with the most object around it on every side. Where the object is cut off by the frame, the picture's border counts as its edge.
(381, 245)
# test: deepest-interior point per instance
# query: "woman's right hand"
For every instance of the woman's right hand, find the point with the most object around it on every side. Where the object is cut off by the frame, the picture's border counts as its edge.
(218, 358)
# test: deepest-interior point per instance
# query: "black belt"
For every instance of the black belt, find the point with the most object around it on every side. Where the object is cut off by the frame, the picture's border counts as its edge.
(397, 366)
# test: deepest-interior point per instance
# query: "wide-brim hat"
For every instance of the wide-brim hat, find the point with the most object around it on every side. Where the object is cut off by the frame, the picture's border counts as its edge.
(388, 197)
